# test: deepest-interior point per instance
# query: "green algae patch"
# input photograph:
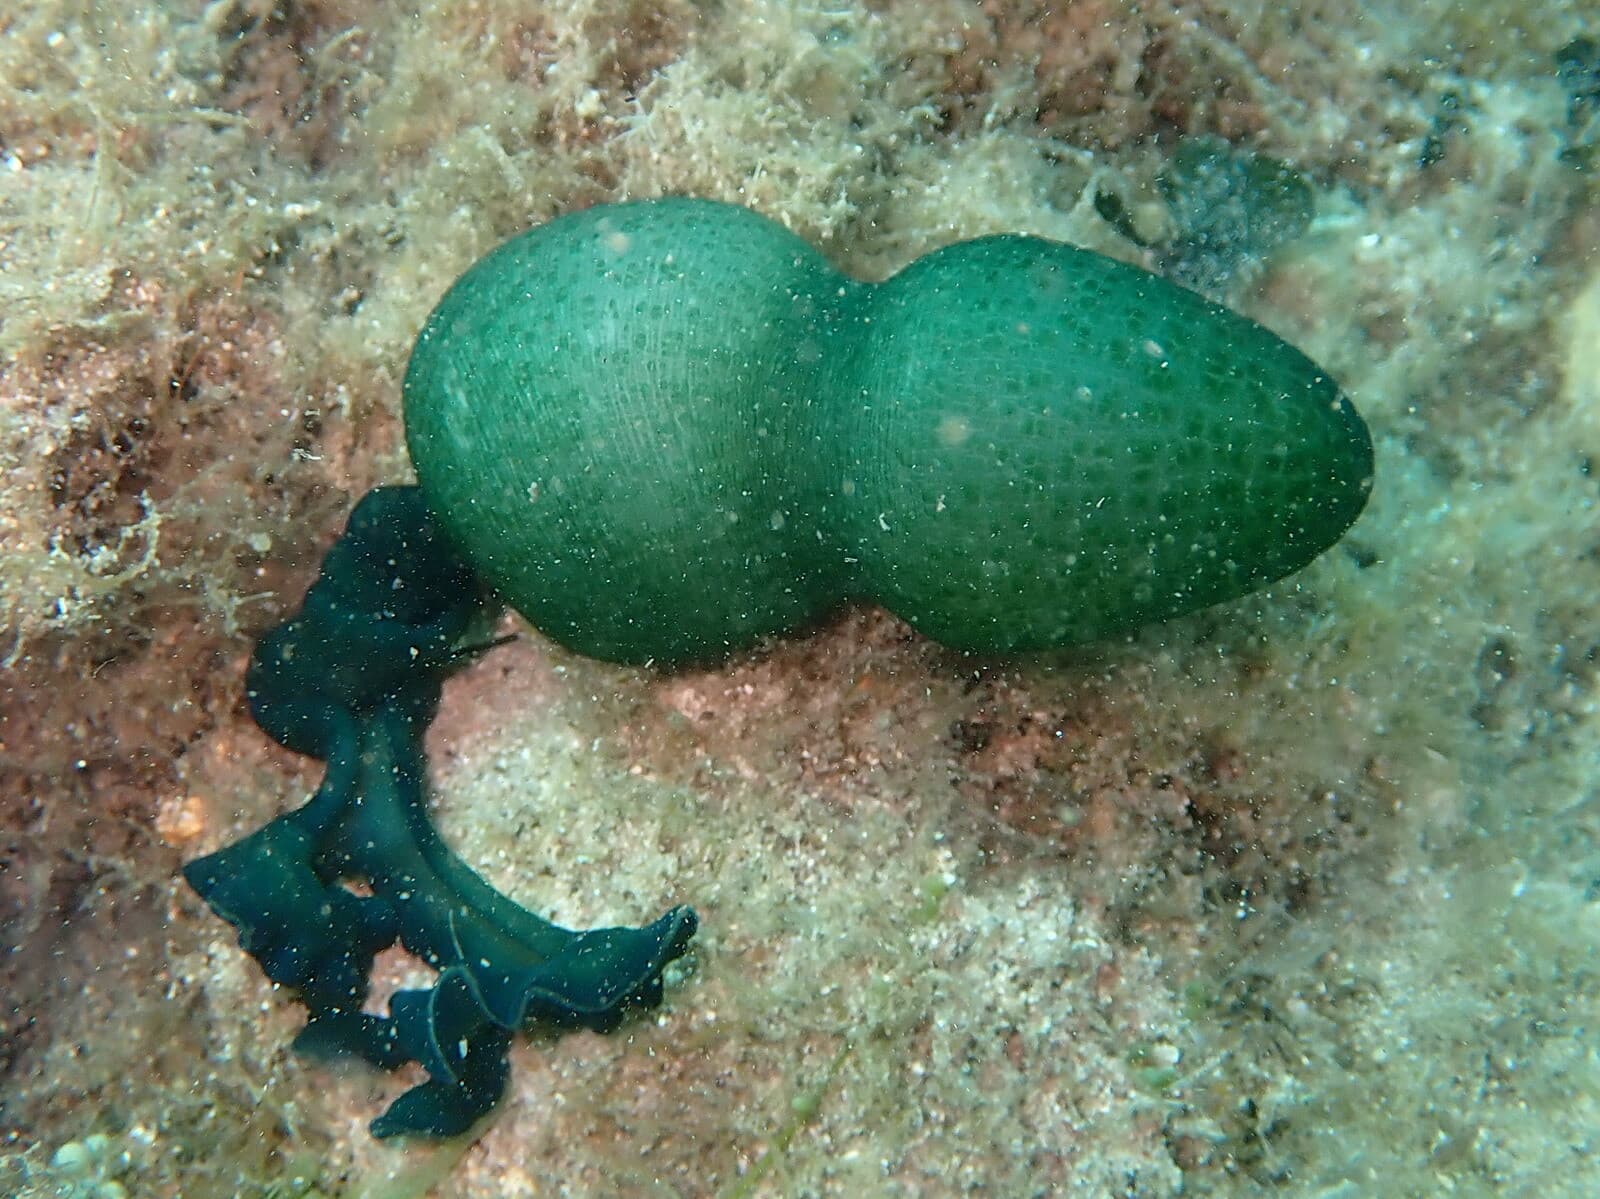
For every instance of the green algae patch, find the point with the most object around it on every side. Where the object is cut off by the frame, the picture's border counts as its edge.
(663, 430)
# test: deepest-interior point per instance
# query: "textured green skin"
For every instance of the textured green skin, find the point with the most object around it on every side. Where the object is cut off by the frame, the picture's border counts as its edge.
(665, 429)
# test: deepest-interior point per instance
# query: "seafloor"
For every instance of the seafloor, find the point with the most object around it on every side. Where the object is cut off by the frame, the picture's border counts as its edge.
(1294, 897)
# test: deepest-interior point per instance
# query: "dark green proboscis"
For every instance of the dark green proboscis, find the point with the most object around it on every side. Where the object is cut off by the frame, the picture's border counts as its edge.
(663, 430)
(354, 679)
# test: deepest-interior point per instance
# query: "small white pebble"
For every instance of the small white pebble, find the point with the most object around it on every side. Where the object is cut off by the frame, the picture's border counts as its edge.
(72, 1159)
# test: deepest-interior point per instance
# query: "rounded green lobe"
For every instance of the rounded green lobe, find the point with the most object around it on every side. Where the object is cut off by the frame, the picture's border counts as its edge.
(665, 429)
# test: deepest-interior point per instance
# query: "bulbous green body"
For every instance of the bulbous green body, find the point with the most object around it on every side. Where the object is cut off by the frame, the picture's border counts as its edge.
(664, 429)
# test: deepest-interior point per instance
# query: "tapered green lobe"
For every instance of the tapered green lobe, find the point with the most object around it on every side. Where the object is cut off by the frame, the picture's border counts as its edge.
(662, 430)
